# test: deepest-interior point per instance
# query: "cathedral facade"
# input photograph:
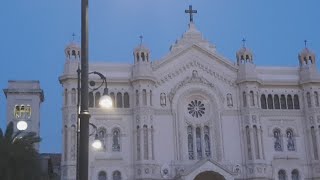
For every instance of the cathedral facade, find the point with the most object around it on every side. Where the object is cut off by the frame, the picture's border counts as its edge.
(196, 115)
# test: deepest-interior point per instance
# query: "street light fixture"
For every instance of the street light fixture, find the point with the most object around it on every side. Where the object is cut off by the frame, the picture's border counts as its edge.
(105, 101)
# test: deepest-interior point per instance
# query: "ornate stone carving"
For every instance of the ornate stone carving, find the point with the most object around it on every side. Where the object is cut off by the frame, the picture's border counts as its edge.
(194, 79)
(193, 64)
(163, 99)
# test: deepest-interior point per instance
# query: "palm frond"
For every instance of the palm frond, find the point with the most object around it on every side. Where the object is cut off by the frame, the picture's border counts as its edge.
(9, 132)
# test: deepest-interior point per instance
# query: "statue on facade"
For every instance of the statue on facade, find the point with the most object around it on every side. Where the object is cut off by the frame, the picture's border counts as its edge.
(163, 99)
(229, 100)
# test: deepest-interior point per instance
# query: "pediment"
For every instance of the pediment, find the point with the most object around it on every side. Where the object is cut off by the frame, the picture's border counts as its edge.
(195, 50)
(195, 58)
(206, 165)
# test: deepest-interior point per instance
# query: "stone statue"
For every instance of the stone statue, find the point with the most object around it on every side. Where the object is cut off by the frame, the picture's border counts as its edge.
(163, 99)
(229, 100)
(115, 145)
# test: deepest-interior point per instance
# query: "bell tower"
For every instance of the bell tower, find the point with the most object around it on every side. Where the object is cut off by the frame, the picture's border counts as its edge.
(23, 104)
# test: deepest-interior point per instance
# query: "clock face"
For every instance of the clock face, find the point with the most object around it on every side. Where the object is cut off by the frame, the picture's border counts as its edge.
(196, 108)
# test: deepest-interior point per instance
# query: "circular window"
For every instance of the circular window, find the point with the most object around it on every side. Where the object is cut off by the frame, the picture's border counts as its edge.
(196, 108)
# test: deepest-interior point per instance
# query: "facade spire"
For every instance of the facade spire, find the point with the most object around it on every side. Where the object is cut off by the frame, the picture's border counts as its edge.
(141, 38)
(190, 11)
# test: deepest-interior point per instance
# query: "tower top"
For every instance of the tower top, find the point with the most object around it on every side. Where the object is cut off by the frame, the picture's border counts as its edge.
(191, 11)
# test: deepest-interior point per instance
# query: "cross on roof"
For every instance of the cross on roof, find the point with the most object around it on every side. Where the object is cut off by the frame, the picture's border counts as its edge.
(141, 38)
(244, 42)
(305, 43)
(190, 11)
(73, 36)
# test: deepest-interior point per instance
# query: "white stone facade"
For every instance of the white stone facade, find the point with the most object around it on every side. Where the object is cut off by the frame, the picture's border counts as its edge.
(195, 111)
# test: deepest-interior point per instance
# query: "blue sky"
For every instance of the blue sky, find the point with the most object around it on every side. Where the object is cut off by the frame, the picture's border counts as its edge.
(34, 33)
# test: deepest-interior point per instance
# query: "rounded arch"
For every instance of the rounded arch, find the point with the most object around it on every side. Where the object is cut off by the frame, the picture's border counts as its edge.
(102, 175)
(182, 100)
(209, 175)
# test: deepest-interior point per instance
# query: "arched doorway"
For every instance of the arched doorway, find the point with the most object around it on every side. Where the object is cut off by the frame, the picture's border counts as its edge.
(209, 175)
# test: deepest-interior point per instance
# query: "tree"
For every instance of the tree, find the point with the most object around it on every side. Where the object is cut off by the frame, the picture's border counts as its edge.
(19, 160)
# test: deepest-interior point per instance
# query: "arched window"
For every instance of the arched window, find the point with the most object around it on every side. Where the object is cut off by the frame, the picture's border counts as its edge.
(91, 101)
(276, 102)
(73, 96)
(138, 57)
(65, 143)
(138, 144)
(66, 97)
(251, 98)
(308, 99)
(290, 102)
(296, 101)
(277, 140)
(96, 99)
(290, 140)
(143, 57)
(144, 97)
(137, 97)
(150, 98)
(190, 143)
(248, 143)
(116, 140)
(295, 174)
(207, 148)
(126, 100)
(283, 102)
(102, 175)
(256, 142)
(116, 175)
(263, 101)
(270, 102)
(102, 135)
(112, 96)
(73, 142)
(316, 98)
(145, 142)
(244, 96)
(198, 143)
(119, 100)
(282, 175)
(314, 143)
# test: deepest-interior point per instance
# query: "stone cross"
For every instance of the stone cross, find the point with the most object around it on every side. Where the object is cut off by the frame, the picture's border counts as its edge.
(244, 42)
(141, 38)
(190, 11)
(305, 43)
(73, 36)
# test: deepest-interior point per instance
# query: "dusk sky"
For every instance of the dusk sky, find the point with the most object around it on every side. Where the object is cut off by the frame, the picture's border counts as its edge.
(34, 33)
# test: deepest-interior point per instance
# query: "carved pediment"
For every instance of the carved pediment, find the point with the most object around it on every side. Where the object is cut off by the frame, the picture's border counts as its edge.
(195, 79)
(192, 65)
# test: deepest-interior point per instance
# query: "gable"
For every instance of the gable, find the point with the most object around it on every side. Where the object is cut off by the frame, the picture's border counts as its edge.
(194, 58)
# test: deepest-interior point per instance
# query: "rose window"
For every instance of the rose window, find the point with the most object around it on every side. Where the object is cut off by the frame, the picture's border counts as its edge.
(196, 108)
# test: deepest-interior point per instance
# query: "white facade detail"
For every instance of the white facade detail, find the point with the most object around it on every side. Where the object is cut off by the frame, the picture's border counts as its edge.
(195, 112)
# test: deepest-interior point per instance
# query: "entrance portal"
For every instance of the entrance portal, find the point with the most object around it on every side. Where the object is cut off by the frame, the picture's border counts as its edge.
(209, 175)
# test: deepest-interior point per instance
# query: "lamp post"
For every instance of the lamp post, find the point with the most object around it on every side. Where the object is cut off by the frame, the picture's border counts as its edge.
(84, 114)
(105, 101)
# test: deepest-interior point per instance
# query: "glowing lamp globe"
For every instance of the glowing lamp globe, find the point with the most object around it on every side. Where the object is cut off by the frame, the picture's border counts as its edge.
(97, 144)
(105, 101)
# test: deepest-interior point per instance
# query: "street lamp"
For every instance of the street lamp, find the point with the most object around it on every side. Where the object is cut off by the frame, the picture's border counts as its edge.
(105, 101)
